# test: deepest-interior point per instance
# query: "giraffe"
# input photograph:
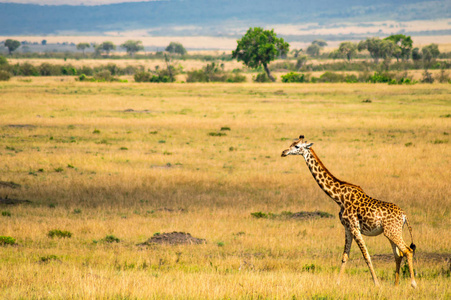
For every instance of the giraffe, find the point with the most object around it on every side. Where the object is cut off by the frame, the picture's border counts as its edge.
(359, 213)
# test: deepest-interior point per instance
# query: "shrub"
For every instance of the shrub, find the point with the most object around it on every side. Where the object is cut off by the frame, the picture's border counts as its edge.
(103, 76)
(148, 77)
(217, 134)
(236, 77)
(331, 77)
(294, 77)
(427, 77)
(46, 69)
(6, 214)
(68, 70)
(59, 233)
(259, 215)
(7, 240)
(111, 239)
(380, 77)
(197, 76)
(142, 77)
(27, 69)
(4, 75)
(86, 70)
(262, 77)
(3, 60)
(48, 258)
(443, 76)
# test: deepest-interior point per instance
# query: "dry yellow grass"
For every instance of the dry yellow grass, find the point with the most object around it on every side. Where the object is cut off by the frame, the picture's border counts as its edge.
(93, 167)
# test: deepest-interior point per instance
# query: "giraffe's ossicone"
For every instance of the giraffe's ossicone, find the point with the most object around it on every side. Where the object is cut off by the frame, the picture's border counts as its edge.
(359, 213)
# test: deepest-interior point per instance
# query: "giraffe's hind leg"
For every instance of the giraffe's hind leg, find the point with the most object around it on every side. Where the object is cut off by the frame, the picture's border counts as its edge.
(398, 260)
(399, 243)
(346, 251)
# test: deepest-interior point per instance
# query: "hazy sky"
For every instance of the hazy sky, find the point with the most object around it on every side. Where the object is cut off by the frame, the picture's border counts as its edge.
(71, 2)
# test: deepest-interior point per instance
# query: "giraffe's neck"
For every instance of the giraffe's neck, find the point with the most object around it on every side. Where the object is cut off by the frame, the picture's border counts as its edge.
(333, 187)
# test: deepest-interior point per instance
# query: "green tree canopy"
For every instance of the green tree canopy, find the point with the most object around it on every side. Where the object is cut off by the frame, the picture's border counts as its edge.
(132, 47)
(377, 48)
(313, 49)
(321, 43)
(83, 46)
(107, 47)
(348, 49)
(12, 45)
(416, 54)
(258, 47)
(403, 46)
(430, 52)
(175, 47)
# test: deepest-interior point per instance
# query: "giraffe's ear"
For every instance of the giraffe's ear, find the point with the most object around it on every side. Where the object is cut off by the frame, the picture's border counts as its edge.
(309, 145)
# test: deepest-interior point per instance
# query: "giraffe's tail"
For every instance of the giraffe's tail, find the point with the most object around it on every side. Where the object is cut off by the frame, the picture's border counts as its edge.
(412, 245)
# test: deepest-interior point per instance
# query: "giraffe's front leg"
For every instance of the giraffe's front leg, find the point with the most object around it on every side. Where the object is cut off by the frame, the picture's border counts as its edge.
(361, 243)
(346, 251)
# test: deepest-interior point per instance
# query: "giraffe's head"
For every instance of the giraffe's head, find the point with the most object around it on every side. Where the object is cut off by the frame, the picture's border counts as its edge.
(299, 147)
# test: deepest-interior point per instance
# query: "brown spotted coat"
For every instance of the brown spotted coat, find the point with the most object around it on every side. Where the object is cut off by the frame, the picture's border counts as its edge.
(360, 214)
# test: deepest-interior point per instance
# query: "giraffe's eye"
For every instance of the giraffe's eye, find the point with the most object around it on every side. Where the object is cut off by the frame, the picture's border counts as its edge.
(297, 146)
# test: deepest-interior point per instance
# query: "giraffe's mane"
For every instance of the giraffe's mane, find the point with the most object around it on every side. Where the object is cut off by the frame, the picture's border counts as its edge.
(331, 175)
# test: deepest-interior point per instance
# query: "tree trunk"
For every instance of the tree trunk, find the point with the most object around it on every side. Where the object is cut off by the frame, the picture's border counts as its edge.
(268, 73)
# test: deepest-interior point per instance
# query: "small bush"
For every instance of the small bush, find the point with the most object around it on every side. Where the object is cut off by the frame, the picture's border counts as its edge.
(294, 77)
(259, 215)
(48, 258)
(197, 76)
(7, 240)
(4, 75)
(59, 233)
(427, 77)
(104, 75)
(380, 77)
(110, 239)
(6, 214)
(331, 77)
(148, 77)
(236, 77)
(262, 77)
(217, 134)
(142, 77)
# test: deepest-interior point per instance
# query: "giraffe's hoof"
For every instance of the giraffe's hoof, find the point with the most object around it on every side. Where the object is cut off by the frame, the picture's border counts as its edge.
(414, 284)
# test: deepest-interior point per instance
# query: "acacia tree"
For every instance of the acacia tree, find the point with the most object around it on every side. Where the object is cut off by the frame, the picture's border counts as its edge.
(132, 47)
(107, 47)
(348, 49)
(377, 48)
(175, 47)
(403, 46)
(83, 46)
(259, 47)
(430, 52)
(12, 45)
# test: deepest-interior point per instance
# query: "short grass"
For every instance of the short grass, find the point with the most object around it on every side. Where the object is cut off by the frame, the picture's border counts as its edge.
(113, 159)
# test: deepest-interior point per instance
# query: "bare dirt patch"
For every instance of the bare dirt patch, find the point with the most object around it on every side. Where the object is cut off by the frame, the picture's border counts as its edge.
(9, 184)
(310, 215)
(8, 201)
(423, 256)
(173, 238)
(21, 126)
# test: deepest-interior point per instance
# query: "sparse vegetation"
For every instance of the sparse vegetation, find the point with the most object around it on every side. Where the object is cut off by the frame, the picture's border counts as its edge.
(209, 186)
(7, 241)
(59, 233)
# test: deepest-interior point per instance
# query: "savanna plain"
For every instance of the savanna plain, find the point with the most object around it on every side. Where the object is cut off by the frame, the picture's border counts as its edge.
(114, 164)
